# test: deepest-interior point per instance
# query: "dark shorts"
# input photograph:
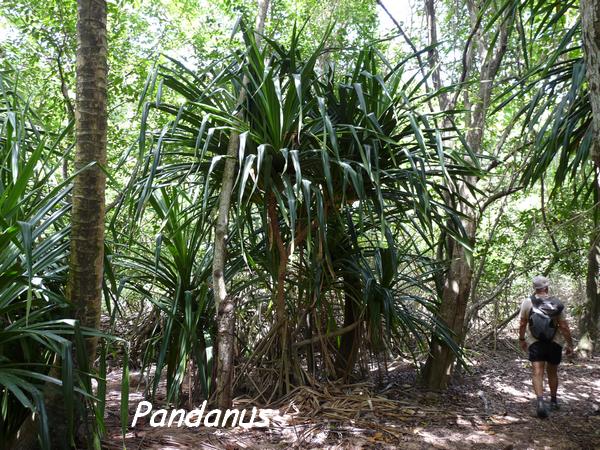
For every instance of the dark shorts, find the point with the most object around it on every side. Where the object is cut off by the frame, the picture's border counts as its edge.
(550, 352)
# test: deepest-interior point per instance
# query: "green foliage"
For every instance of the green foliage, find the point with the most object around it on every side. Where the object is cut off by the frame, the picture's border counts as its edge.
(35, 331)
(173, 277)
(355, 157)
(33, 234)
(558, 113)
(336, 150)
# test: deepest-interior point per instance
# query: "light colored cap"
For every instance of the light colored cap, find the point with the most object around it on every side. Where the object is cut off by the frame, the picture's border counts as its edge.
(540, 282)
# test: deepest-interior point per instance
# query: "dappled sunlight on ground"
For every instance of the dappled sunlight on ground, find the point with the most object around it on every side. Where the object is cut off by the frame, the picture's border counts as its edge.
(491, 406)
(457, 438)
(518, 394)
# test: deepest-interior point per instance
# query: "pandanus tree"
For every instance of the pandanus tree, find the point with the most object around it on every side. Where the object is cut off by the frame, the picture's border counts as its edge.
(339, 180)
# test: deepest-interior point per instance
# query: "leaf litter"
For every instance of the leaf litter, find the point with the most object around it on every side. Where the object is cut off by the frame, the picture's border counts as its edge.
(491, 406)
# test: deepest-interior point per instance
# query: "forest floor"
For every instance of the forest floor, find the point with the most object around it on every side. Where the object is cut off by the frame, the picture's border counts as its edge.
(490, 407)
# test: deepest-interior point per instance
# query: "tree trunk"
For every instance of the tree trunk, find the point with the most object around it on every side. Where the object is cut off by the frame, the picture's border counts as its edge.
(84, 286)
(349, 341)
(589, 323)
(590, 21)
(453, 306)
(457, 283)
(226, 313)
(281, 322)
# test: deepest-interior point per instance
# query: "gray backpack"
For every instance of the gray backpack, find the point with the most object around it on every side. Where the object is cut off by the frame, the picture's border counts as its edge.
(543, 317)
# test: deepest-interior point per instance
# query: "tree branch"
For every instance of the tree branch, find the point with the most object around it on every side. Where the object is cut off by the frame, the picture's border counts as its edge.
(498, 195)
(408, 41)
(318, 338)
(433, 54)
(545, 219)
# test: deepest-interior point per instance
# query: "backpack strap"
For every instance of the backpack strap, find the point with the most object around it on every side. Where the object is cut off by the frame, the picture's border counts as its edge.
(535, 303)
(534, 300)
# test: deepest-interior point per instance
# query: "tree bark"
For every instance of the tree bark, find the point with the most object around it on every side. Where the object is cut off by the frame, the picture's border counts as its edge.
(457, 283)
(226, 314)
(84, 288)
(590, 322)
(590, 22)
(64, 89)
(455, 296)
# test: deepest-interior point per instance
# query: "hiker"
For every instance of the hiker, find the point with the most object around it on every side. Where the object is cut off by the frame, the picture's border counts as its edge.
(542, 316)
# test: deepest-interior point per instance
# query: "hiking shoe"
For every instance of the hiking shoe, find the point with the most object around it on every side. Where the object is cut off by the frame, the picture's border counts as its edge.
(554, 406)
(542, 412)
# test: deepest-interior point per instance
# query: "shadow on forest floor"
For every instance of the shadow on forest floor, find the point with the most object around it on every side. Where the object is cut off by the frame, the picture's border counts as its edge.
(490, 407)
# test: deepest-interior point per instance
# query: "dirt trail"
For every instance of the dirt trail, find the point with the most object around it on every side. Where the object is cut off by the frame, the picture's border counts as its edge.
(490, 407)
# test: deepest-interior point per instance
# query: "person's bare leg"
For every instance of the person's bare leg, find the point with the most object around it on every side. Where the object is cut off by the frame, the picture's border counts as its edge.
(538, 378)
(552, 371)
(538, 387)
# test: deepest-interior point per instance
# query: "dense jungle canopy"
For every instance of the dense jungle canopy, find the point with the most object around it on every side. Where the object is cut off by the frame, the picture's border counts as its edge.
(328, 210)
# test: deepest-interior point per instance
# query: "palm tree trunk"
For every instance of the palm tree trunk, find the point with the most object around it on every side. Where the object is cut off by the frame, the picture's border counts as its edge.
(590, 21)
(84, 287)
(224, 304)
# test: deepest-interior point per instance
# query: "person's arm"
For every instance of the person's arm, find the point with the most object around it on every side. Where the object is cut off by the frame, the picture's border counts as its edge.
(563, 326)
(522, 328)
(524, 314)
